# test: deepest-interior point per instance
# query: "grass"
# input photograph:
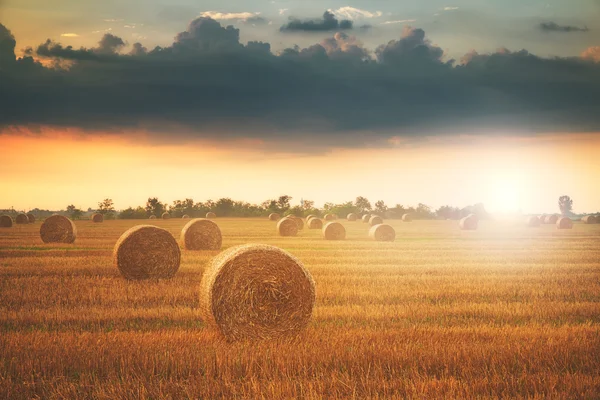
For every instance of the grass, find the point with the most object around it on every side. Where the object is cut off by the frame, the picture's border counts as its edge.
(505, 311)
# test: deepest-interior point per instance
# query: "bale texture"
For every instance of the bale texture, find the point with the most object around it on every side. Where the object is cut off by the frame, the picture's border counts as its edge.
(309, 216)
(334, 231)
(328, 217)
(211, 215)
(375, 220)
(366, 218)
(6, 221)
(165, 215)
(256, 291)
(287, 227)
(314, 223)
(21, 219)
(564, 223)
(532, 222)
(201, 234)
(407, 218)
(31, 218)
(551, 219)
(468, 223)
(152, 217)
(274, 217)
(147, 252)
(382, 233)
(297, 220)
(351, 217)
(58, 229)
(97, 218)
(185, 216)
(589, 219)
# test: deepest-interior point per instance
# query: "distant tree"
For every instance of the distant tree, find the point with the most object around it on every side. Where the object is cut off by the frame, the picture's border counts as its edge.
(298, 211)
(106, 207)
(362, 204)
(224, 207)
(565, 204)
(154, 207)
(423, 212)
(133, 213)
(74, 212)
(181, 207)
(308, 205)
(284, 202)
(343, 209)
(448, 212)
(380, 207)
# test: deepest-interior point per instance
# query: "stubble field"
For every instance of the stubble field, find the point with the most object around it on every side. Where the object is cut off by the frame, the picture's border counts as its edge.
(505, 311)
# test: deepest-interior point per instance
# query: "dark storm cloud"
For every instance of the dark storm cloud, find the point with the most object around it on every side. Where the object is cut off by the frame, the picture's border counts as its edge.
(554, 27)
(209, 85)
(328, 23)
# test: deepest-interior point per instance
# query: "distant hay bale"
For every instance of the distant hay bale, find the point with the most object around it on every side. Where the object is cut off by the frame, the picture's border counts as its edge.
(375, 220)
(211, 215)
(382, 233)
(564, 223)
(532, 222)
(314, 223)
(256, 291)
(58, 229)
(334, 231)
(366, 218)
(309, 216)
(165, 215)
(287, 227)
(468, 223)
(97, 218)
(351, 217)
(147, 252)
(328, 217)
(274, 217)
(21, 219)
(31, 218)
(335, 216)
(551, 219)
(201, 234)
(6, 221)
(185, 216)
(542, 218)
(407, 218)
(152, 217)
(589, 219)
(297, 220)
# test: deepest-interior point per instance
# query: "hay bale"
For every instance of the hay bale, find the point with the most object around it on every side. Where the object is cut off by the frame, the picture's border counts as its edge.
(468, 223)
(532, 222)
(351, 217)
(297, 220)
(58, 229)
(97, 218)
(309, 216)
(6, 221)
(334, 231)
(375, 220)
(314, 223)
(31, 218)
(382, 233)
(589, 219)
(201, 234)
(407, 218)
(152, 217)
(147, 252)
(287, 227)
(564, 223)
(551, 219)
(542, 218)
(256, 291)
(328, 217)
(165, 215)
(211, 215)
(274, 217)
(21, 219)
(366, 218)
(185, 216)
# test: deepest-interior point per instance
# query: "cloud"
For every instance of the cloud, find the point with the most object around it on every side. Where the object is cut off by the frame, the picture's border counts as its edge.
(450, 8)
(249, 17)
(108, 46)
(591, 53)
(400, 21)
(327, 23)
(282, 11)
(353, 14)
(69, 35)
(412, 47)
(554, 27)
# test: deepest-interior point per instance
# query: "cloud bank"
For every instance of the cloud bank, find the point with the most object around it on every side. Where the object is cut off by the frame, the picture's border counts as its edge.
(554, 27)
(328, 23)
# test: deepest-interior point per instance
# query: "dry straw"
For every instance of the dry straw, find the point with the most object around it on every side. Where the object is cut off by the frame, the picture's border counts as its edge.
(314, 223)
(287, 227)
(551, 219)
(6, 221)
(334, 231)
(274, 217)
(58, 229)
(407, 218)
(564, 223)
(256, 291)
(351, 217)
(589, 219)
(211, 215)
(382, 233)
(165, 215)
(31, 218)
(22, 219)
(185, 216)
(298, 221)
(152, 217)
(366, 218)
(201, 234)
(97, 218)
(328, 217)
(147, 252)
(375, 220)
(468, 223)
(532, 222)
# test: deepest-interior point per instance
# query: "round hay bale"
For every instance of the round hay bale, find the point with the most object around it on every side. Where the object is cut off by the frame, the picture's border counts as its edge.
(564, 223)
(287, 227)
(274, 217)
(532, 222)
(542, 218)
(366, 218)
(211, 215)
(185, 216)
(328, 217)
(309, 216)
(551, 219)
(256, 291)
(334, 231)
(375, 220)
(407, 218)
(165, 215)
(97, 218)
(382, 233)
(147, 252)
(589, 219)
(335, 216)
(21, 219)
(58, 229)
(201, 234)
(314, 223)
(351, 217)
(31, 218)
(152, 217)
(297, 220)
(468, 223)
(6, 221)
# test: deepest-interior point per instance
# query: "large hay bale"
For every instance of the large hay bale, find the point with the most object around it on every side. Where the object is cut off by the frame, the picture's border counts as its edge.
(375, 220)
(31, 218)
(589, 219)
(314, 223)
(551, 219)
(382, 233)
(21, 219)
(165, 215)
(147, 252)
(309, 216)
(6, 221)
(366, 218)
(201, 234)
(351, 217)
(297, 220)
(185, 216)
(274, 217)
(328, 217)
(211, 215)
(532, 222)
(97, 218)
(287, 227)
(334, 231)
(564, 223)
(256, 291)
(407, 218)
(58, 229)
(468, 223)
(152, 217)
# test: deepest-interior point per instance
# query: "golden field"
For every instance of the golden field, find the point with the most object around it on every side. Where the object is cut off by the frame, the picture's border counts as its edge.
(505, 311)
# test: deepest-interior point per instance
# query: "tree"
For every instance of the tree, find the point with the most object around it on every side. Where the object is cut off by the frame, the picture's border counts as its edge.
(308, 205)
(380, 207)
(423, 211)
(154, 207)
(284, 202)
(224, 207)
(74, 212)
(565, 204)
(106, 207)
(133, 213)
(362, 204)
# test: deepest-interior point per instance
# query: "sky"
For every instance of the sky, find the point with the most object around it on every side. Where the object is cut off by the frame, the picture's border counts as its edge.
(435, 102)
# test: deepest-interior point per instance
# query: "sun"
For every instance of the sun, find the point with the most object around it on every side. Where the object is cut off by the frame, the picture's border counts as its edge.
(504, 194)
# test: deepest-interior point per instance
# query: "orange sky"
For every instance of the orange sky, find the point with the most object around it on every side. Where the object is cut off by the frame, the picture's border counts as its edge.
(52, 170)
